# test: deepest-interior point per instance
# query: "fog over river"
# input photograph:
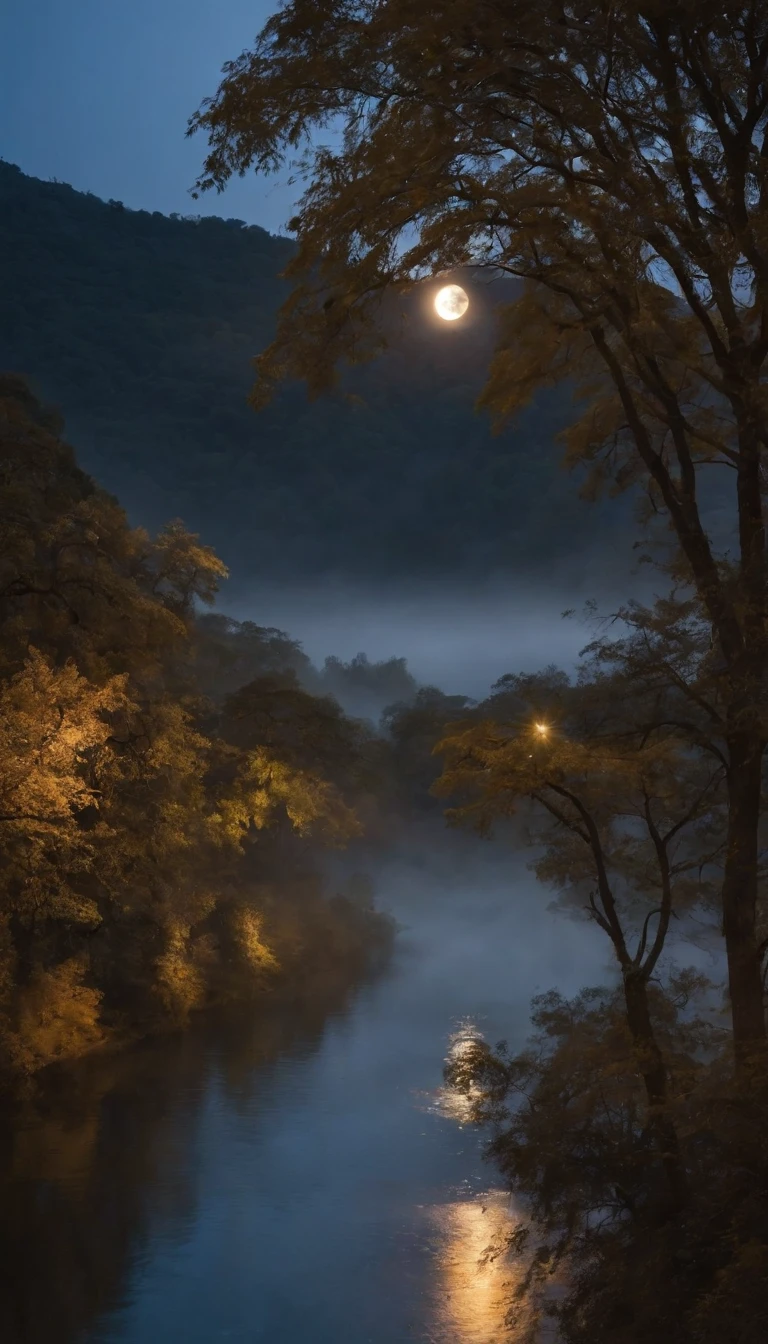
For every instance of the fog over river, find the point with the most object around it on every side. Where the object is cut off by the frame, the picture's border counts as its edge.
(459, 638)
(289, 1177)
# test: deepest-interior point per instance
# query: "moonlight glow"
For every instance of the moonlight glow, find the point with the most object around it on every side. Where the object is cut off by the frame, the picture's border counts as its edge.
(451, 302)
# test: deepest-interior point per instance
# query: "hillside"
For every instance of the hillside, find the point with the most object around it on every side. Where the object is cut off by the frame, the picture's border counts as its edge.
(140, 328)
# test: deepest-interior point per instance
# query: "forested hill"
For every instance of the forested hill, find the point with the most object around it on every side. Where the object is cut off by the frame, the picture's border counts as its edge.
(141, 328)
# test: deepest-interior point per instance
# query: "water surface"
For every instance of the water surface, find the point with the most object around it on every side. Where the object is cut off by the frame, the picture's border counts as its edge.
(286, 1177)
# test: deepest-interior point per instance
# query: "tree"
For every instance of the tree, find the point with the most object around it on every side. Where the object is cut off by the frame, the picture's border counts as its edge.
(679, 687)
(629, 833)
(230, 654)
(568, 1128)
(610, 156)
(54, 733)
(413, 728)
(366, 688)
(141, 823)
(75, 579)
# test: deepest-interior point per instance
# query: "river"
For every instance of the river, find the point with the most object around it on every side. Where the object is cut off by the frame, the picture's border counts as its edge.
(289, 1177)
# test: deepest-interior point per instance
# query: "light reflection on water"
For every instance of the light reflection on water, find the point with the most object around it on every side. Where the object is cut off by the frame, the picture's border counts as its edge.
(475, 1275)
(475, 1279)
(280, 1179)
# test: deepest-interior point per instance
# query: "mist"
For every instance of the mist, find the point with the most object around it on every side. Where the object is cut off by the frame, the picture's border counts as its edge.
(453, 636)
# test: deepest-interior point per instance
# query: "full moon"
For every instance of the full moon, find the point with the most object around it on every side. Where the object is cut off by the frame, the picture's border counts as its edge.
(451, 302)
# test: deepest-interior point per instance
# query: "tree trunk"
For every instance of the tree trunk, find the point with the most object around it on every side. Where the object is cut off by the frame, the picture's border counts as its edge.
(739, 897)
(654, 1071)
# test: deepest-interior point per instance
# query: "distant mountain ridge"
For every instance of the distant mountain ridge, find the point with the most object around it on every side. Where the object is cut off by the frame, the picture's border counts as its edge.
(141, 328)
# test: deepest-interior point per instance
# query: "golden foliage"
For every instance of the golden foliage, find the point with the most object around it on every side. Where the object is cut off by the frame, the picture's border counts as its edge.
(180, 984)
(184, 568)
(58, 1016)
(54, 732)
(131, 841)
(266, 787)
(247, 927)
(53, 729)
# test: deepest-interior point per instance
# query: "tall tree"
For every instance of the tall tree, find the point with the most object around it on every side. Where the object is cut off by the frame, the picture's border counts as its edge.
(628, 832)
(613, 154)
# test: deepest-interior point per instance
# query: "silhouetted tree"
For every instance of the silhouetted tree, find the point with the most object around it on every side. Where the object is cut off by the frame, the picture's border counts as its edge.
(630, 832)
(609, 156)
(414, 730)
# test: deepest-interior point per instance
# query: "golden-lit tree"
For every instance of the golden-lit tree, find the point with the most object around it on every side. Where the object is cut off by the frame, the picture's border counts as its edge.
(140, 822)
(612, 157)
(54, 734)
(629, 833)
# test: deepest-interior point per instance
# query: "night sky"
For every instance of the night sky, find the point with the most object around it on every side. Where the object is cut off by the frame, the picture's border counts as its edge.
(97, 93)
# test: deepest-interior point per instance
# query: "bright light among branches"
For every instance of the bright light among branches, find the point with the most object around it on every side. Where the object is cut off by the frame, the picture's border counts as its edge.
(542, 729)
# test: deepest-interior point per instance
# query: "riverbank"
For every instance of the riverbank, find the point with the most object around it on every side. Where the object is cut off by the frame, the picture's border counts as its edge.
(169, 788)
(286, 1174)
(342, 938)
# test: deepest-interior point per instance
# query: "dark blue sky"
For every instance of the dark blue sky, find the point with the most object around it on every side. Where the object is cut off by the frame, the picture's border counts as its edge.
(97, 93)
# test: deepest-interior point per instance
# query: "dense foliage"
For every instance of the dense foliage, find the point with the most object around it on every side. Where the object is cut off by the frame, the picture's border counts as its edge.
(571, 1134)
(159, 808)
(606, 165)
(142, 329)
(637, 1155)
(606, 160)
(609, 158)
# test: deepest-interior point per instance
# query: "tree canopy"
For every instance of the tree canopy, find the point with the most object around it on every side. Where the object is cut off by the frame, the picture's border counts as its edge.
(611, 158)
(155, 776)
